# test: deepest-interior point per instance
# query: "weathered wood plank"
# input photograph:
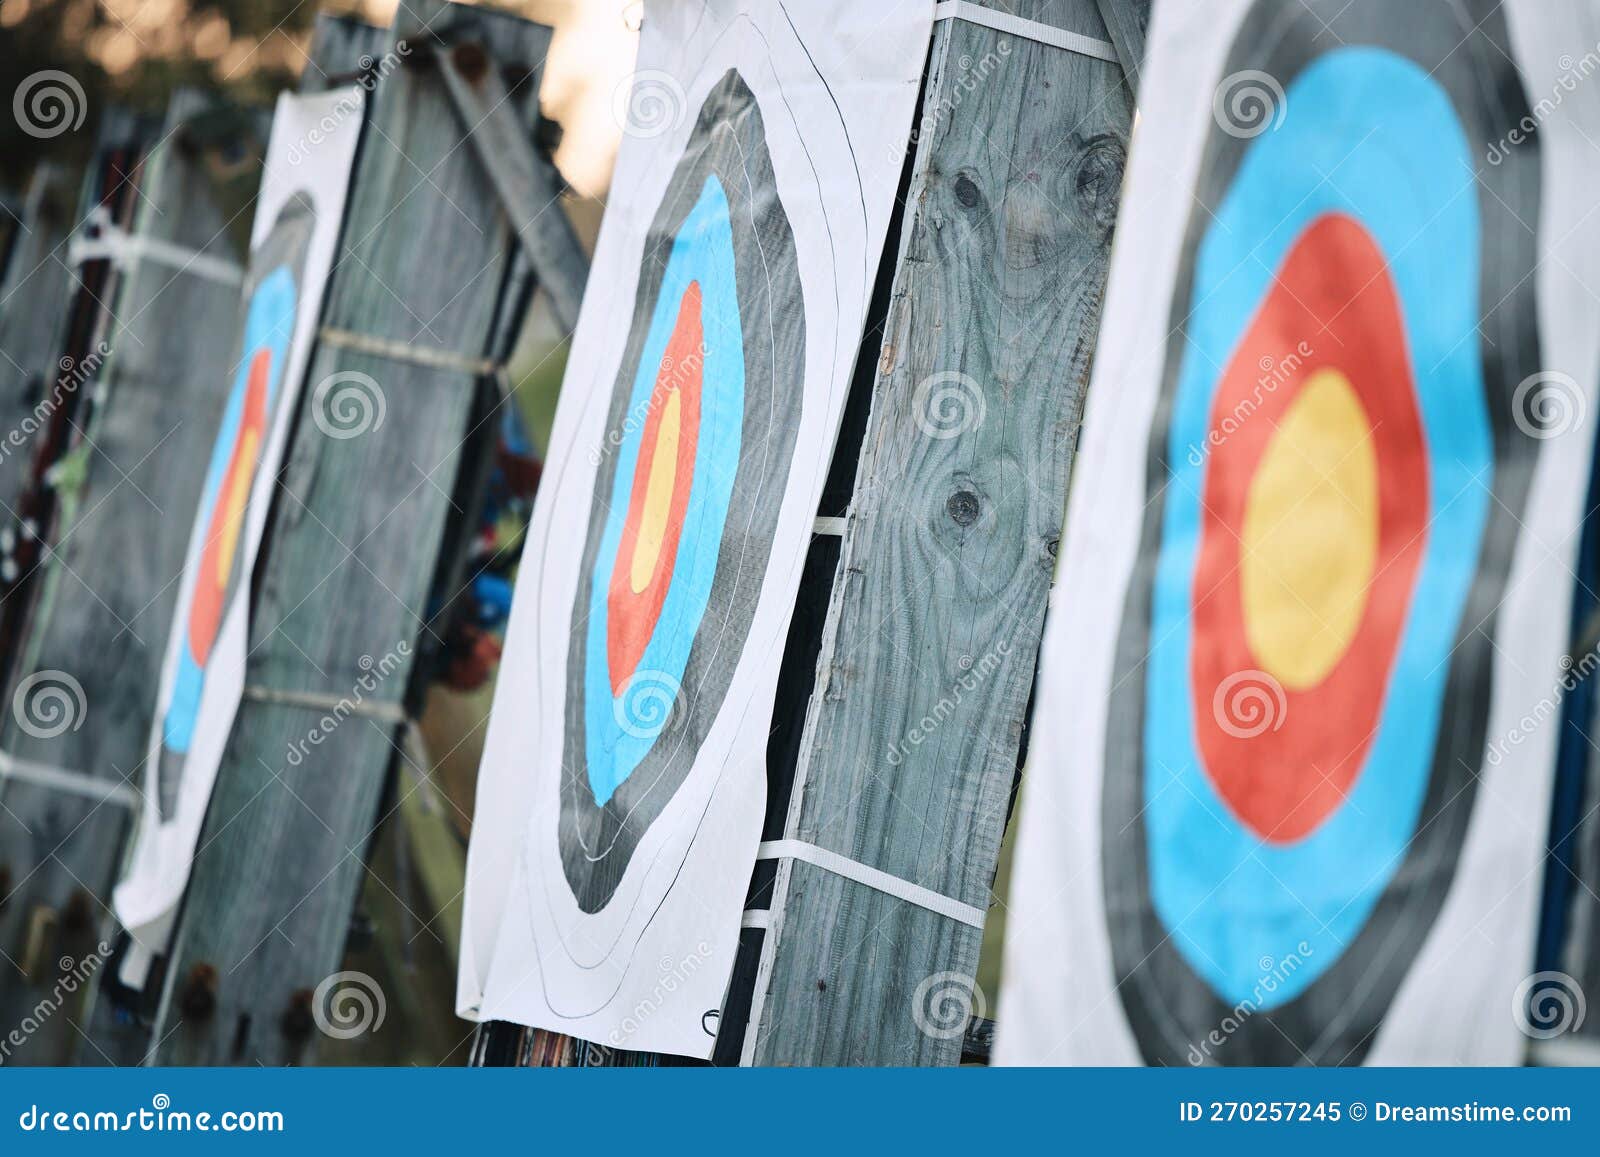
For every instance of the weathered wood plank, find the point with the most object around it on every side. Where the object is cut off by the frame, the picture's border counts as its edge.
(106, 593)
(911, 740)
(527, 182)
(109, 192)
(1127, 21)
(352, 551)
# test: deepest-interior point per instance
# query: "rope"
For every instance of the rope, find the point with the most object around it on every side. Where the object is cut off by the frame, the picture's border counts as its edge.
(66, 780)
(417, 355)
(1027, 29)
(124, 249)
(873, 878)
(380, 710)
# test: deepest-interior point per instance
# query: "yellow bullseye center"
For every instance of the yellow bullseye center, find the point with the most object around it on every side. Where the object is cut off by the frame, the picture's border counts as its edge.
(1310, 535)
(238, 493)
(657, 496)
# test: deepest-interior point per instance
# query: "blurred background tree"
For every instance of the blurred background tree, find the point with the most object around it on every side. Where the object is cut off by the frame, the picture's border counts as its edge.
(136, 52)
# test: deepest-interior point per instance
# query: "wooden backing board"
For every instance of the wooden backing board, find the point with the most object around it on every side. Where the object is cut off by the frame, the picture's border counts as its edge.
(914, 724)
(427, 258)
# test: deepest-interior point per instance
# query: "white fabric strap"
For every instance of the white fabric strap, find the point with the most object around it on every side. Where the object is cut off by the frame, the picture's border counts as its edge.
(873, 878)
(1027, 29)
(399, 351)
(755, 918)
(828, 524)
(379, 710)
(65, 780)
(124, 249)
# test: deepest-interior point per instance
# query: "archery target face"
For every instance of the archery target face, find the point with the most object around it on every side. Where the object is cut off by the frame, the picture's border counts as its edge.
(686, 502)
(270, 311)
(1335, 486)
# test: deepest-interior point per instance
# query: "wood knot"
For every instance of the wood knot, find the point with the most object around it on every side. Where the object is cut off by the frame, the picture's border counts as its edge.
(297, 1019)
(964, 507)
(1098, 180)
(198, 1000)
(966, 190)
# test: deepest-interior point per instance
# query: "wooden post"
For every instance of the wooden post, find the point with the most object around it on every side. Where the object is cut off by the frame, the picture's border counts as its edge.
(429, 283)
(911, 738)
(79, 706)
